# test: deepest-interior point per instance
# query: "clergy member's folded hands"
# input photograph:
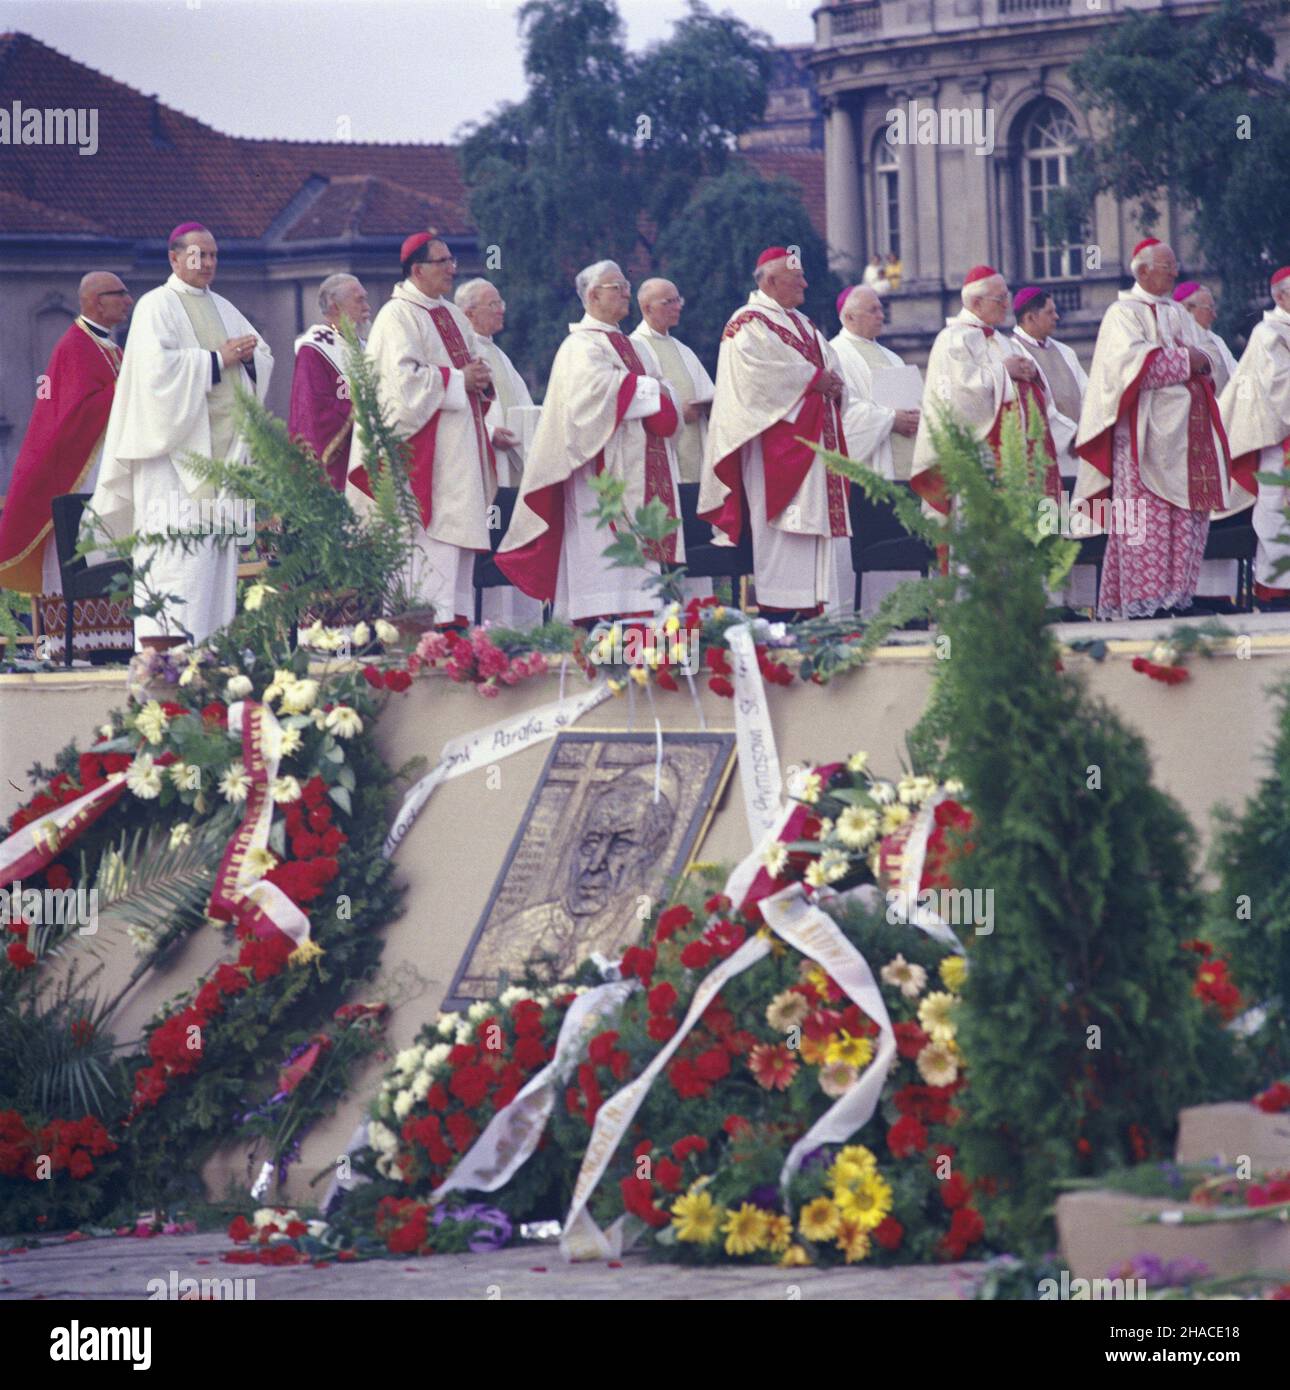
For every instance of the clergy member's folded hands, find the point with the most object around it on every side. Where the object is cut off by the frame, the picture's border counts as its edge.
(1021, 368)
(238, 349)
(477, 376)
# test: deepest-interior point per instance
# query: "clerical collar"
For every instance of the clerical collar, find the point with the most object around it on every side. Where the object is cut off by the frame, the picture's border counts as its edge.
(1277, 312)
(590, 321)
(859, 338)
(1034, 342)
(1148, 297)
(97, 329)
(175, 283)
(646, 327)
(416, 296)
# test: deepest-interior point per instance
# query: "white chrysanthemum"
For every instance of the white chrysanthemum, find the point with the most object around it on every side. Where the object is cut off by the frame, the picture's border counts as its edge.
(448, 1025)
(151, 721)
(238, 687)
(282, 680)
(935, 1016)
(812, 785)
(181, 834)
(908, 978)
(857, 827)
(893, 817)
(420, 1083)
(178, 773)
(403, 1104)
(512, 994)
(775, 857)
(386, 632)
(235, 783)
(883, 793)
(189, 673)
(826, 827)
(259, 862)
(322, 639)
(285, 790)
(906, 790)
(319, 716)
(362, 635)
(436, 1056)
(1164, 654)
(924, 787)
(815, 874)
(465, 1031)
(274, 1216)
(143, 939)
(290, 743)
(106, 731)
(143, 777)
(344, 721)
(834, 865)
(408, 1060)
(381, 1137)
(481, 1008)
(787, 1010)
(953, 787)
(857, 762)
(937, 1064)
(300, 696)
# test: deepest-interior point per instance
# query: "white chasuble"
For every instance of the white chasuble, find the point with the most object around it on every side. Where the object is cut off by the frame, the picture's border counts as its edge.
(167, 406)
(689, 381)
(419, 347)
(1256, 414)
(607, 410)
(765, 416)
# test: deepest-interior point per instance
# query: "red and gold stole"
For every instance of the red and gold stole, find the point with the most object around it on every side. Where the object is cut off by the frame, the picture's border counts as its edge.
(658, 476)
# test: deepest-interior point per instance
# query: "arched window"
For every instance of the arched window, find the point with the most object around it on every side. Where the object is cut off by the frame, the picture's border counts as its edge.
(886, 198)
(1049, 142)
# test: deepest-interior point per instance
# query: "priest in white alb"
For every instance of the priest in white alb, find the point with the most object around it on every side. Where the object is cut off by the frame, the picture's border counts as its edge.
(870, 427)
(188, 351)
(1150, 440)
(979, 377)
(692, 388)
(321, 412)
(779, 383)
(1060, 373)
(438, 395)
(1199, 303)
(482, 303)
(607, 410)
(1256, 414)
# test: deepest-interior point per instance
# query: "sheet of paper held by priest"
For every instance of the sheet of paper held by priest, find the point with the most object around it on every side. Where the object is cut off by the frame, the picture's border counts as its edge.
(899, 388)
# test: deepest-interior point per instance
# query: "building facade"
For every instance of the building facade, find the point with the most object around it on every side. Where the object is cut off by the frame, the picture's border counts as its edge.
(949, 127)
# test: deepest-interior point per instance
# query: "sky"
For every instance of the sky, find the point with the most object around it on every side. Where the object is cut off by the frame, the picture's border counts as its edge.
(390, 70)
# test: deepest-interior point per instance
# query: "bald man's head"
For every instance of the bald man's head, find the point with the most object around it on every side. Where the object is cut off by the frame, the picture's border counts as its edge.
(104, 298)
(862, 313)
(661, 304)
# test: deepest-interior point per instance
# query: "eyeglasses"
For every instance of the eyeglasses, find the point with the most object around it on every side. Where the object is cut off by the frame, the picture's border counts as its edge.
(994, 298)
(676, 299)
(104, 294)
(441, 260)
(619, 287)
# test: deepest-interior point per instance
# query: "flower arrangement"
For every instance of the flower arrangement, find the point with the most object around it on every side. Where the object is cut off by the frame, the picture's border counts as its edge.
(775, 1049)
(475, 659)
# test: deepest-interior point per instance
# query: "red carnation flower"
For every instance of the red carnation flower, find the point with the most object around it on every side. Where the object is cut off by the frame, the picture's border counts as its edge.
(661, 1027)
(667, 1174)
(686, 1081)
(907, 1137)
(58, 877)
(19, 956)
(661, 998)
(470, 1084)
(956, 1191)
(529, 1052)
(696, 956)
(398, 681)
(690, 1144)
(910, 1039)
(713, 1064)
(664, 679)
(675, 919)
(638, 961)
(372, 676)
(601, 1048)
(719, 685)
(889, 1233)
(462, 1130)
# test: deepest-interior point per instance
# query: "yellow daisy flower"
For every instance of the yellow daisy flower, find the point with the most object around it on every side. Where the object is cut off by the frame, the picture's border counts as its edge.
(855, 1052)
(695, 1217)
(745, 1230)
(793, 1257)
(853, 1241)
(854, 1164)
(779, 1233)
(819, 1220)
(953, 971)
(868, 1204)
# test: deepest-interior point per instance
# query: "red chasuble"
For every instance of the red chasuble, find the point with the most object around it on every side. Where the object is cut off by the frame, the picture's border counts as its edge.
(321, 412)
(786, 459)
(65, 428)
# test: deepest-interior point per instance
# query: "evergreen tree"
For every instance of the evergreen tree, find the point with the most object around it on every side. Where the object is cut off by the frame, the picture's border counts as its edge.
(1079, 1031)
(1251, 910)
(1191, 110)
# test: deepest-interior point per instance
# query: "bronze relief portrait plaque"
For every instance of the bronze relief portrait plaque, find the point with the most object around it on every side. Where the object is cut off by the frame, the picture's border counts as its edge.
(609, 824)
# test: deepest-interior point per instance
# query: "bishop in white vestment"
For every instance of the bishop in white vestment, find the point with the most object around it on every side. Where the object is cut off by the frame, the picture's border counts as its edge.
(188, 350)
(437, 392)
(1256, 414)
(692, 387)
(607, 410)
(483, 305)
(778, 382)
(977, 375)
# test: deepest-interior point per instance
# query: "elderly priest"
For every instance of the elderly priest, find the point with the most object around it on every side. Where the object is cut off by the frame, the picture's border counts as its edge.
(60, 454)
(869, 426)
(1256, 412)
(437, 392)
(321, 409)
(779, 383)
(978, 376)
(661, 304)
(1150, 438)
(607, 410)
(189, 350)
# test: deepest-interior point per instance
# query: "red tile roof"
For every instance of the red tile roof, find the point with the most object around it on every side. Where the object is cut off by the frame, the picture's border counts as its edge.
(155, 166)
(804, 167)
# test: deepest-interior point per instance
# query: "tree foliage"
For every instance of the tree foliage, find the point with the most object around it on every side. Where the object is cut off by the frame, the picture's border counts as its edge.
(1078, 1026)
(604, 154)
(1194, 112)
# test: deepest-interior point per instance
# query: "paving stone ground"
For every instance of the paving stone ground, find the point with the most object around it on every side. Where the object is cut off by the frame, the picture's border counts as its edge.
(121, 1268)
